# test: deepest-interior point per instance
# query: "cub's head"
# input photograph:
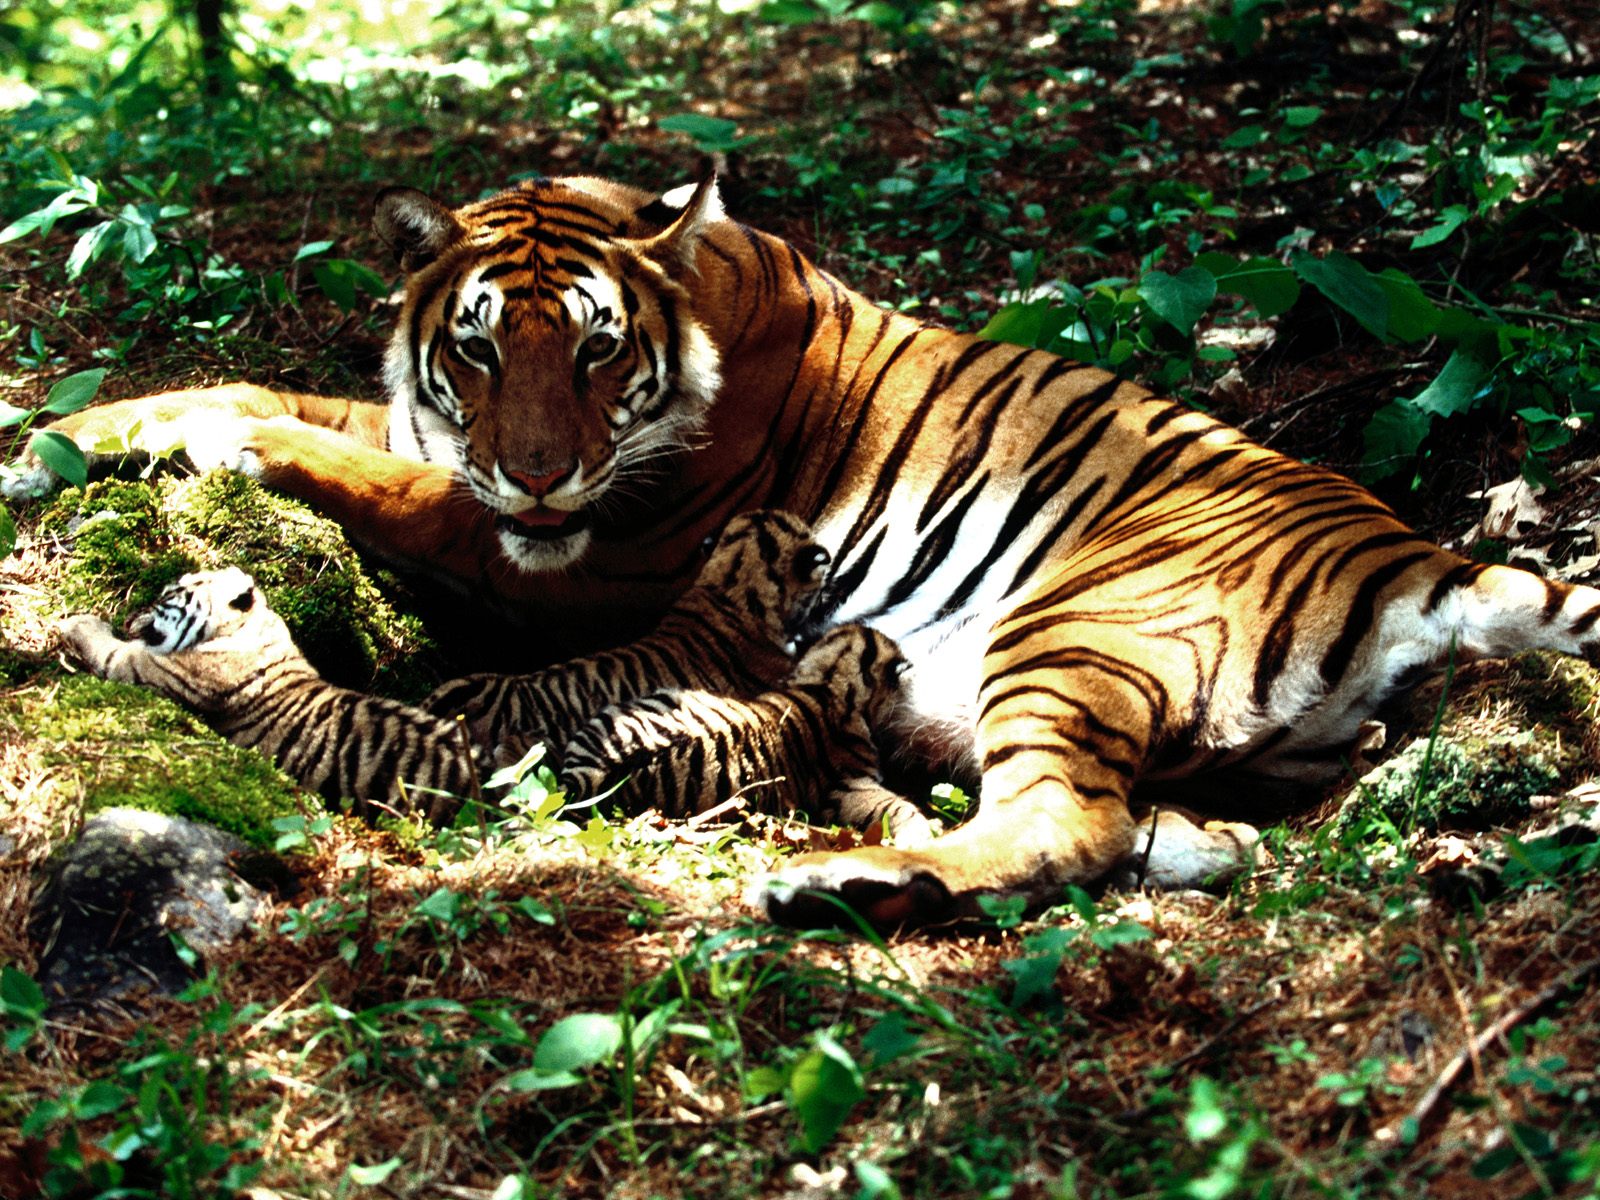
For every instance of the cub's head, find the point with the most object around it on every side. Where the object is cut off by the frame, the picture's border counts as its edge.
(768, 564)
(548, 348)
(199, 608)
(862, 668)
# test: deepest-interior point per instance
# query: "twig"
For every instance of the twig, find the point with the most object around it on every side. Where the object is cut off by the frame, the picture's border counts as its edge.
(1424, 1108)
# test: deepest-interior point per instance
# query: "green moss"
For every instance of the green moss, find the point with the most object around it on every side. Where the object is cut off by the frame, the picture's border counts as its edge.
(131, 747)
(310, 574)
(128, 540)
(16, 669)
(122, 551)
(1463, 783)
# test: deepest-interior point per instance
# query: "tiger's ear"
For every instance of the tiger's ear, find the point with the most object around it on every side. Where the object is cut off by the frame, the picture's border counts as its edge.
(414, 225)
(675, 247)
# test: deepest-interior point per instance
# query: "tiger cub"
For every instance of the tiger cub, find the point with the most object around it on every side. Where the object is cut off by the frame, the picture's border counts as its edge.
(728, 634)
(212, 644)
(808, 742)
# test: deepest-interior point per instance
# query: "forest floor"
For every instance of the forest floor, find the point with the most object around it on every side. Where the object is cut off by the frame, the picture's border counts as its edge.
(547, 1002)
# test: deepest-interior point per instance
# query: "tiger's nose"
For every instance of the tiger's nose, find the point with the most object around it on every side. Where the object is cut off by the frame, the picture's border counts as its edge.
(536, 485)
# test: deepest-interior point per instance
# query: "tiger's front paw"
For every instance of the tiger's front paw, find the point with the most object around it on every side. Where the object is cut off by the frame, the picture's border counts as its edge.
(888, 888)
(232, 443)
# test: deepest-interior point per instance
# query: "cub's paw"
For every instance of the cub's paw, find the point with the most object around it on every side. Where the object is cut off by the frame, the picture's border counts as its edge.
(84, 635)
(887, 888)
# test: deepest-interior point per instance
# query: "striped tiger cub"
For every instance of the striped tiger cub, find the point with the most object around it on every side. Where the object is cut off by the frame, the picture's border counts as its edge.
(727, 634)
(212, 644)
(807, 744)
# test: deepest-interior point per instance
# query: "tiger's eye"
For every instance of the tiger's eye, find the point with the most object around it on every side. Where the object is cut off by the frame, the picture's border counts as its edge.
(479, 349)
(600, 346)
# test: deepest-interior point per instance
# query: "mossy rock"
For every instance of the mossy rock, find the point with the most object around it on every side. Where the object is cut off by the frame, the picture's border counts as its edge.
(1454, 782)
(129, 539)
(132, 748)
(123, 552)
(311, 576)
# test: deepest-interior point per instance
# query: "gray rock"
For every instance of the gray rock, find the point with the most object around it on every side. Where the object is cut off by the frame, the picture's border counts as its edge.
(113, 899)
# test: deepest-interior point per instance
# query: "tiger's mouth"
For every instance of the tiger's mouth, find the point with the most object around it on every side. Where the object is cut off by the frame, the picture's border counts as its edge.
(544, 524)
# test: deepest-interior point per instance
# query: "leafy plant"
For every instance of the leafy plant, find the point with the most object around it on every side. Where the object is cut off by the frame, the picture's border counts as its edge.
(55, 450)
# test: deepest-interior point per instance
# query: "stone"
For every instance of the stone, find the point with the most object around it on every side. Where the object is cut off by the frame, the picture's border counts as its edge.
(112, 900)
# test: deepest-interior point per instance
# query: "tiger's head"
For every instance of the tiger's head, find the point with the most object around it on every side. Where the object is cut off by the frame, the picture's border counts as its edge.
(769, 567)
(862, 668)
(548, 349)
(201, 607)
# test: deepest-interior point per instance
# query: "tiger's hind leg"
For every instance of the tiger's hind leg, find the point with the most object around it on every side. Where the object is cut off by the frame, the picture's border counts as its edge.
(1061, 740)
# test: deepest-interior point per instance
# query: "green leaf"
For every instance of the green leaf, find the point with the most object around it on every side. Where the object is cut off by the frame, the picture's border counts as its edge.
(58, 452)
(339, 279)
(74, 392)
(1018, 323)
(1269, 286)
(709, 133)
(1412, 316)
(24, 225)
(375, 1174)
(90, 245)
(761, 1083)
(789, 12)
(19, 994)
(138, 241)
(1349, 285)
(534, 911)
(889, 1039)
(578, 1041)
(1121, 933)
(1456, 388)
(11, 415)
(823, 1087)
(311, 248)
(1182, 299)
(1450, 220)
(1244, 138)
(1033, 976)
(534, 1080)
(1393, 437)
(514, 1187)
(100, 1098)
(1301, 115)
(875, 1182)
(442, 905)
(8, 532)
(1206, 1117)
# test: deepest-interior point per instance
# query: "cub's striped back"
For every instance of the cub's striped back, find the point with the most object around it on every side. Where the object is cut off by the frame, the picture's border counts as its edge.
(211, 643)
(807, 744)
(729, 634)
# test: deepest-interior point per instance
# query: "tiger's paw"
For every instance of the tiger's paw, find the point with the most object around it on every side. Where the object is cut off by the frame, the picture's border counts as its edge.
(1175, 852)
(27, 479)
(233, 443)
(83, 635)
(887, 888)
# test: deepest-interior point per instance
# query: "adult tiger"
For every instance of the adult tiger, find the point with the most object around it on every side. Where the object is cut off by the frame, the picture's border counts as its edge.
(1095, 586)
